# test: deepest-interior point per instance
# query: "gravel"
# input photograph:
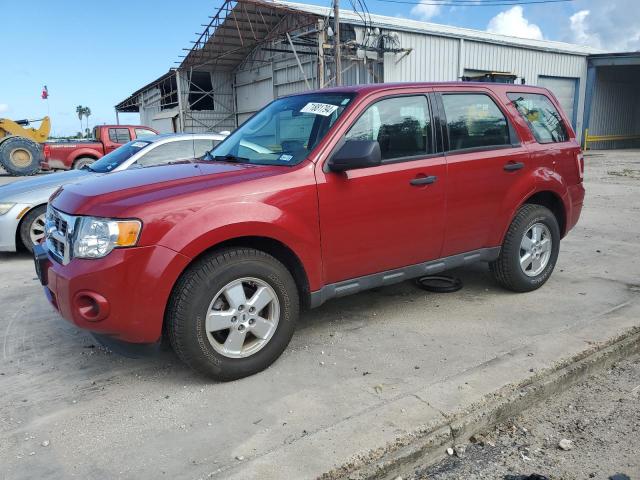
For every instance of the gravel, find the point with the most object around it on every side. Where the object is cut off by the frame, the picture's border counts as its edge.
(591, 430)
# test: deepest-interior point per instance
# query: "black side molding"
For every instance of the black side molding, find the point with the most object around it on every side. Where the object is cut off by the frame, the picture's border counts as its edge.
(356, 285)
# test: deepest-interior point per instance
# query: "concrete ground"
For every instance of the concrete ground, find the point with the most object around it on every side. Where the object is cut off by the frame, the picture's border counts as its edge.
(599, 416)
(361, 372)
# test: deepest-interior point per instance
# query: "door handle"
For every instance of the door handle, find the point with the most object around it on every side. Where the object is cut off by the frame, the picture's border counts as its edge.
(423, 180)
(513, 166)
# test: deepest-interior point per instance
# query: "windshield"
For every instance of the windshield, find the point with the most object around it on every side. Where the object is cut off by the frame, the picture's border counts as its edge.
(284, 132)
(116, 158)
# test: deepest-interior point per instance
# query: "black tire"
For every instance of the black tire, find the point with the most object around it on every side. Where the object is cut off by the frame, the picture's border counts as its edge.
(506, 269)
(439, 283)
(193, 294)
(20, 156)
(28, 221)
(82, 162)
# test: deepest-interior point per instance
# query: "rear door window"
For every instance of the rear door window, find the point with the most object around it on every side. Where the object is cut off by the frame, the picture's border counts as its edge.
(541, 116)
(119, 135)
(474, 121)
(401, 125)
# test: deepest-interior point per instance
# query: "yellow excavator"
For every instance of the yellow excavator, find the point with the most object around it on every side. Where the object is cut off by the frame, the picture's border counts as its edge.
(20, 152)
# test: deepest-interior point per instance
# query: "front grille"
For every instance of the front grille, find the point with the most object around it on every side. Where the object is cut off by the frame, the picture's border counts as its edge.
(59, 234)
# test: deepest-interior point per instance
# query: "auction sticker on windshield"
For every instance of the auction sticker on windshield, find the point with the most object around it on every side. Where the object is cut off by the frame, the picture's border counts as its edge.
(324, 109)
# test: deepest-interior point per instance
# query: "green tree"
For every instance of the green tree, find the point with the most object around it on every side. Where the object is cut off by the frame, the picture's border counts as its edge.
(87, 114)
(80, 112)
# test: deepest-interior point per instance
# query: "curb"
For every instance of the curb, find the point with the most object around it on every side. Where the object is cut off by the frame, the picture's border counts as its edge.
(427, 445)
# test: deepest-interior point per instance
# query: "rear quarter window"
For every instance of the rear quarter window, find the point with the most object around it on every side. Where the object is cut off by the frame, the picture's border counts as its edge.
(541, 116)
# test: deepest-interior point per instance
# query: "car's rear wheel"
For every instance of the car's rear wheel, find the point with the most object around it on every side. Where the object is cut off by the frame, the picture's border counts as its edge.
(232, 313)
(530, 250)
(82, 162)
(32, 227)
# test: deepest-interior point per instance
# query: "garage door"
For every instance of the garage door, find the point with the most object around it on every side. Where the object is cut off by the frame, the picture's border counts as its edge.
(565, 91)
(254, 89)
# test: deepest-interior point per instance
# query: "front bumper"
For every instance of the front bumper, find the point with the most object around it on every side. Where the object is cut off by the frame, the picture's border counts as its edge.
(9, 223)
(122, 296)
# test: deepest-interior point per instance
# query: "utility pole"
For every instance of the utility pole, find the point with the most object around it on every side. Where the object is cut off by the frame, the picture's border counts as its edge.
(336, 38)
(322, 39)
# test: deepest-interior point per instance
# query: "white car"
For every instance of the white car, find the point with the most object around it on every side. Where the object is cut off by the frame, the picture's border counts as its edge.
(23, 203)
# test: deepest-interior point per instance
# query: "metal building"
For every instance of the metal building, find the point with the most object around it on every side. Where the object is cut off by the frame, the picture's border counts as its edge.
(253, 51)
(612, 113)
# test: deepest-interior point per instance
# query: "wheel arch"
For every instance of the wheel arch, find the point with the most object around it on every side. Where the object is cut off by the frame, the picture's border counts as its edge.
(276, 248)
(553, 202)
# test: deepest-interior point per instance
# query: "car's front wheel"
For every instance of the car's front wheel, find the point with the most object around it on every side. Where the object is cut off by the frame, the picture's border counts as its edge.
(32, 227)
(529, 251)
(232, 313)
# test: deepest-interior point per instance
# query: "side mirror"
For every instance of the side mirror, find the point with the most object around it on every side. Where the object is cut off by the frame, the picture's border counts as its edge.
(356, 154)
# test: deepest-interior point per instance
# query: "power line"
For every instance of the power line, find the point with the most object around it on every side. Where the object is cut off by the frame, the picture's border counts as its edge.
(472, 3)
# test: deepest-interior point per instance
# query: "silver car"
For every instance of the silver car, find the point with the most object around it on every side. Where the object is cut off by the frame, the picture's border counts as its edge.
(23, 203)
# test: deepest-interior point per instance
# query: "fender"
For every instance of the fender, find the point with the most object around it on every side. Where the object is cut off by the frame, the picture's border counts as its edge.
(223, 222)
(541, 179)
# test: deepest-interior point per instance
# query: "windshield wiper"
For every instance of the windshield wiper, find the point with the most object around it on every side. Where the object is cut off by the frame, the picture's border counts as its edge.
(231, 158)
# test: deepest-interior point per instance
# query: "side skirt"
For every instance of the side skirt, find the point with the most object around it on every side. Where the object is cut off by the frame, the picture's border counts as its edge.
(356, 285)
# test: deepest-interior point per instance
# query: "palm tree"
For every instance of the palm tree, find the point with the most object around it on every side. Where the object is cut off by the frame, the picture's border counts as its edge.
(80, 112)
(87, 114)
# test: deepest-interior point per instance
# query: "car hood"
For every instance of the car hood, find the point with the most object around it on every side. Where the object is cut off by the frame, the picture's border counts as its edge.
(126, 192)
(33, 189)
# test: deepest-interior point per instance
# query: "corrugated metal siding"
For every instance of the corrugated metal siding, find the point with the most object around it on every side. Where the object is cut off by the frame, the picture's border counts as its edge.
(254, 88)
(222, 116)
(615, 108)
(433, 59)
(149, 106)
(288, 79)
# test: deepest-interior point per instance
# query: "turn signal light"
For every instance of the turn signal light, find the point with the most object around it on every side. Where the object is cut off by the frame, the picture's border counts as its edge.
(127, 233)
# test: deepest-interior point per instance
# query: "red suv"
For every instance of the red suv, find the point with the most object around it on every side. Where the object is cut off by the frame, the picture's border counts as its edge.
(318, 195)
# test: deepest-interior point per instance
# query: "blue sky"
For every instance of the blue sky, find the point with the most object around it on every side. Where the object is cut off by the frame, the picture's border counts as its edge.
(97, 53)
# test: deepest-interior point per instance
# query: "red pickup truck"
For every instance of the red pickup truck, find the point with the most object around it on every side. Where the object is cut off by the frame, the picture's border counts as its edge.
(318, 195)
(79, 153)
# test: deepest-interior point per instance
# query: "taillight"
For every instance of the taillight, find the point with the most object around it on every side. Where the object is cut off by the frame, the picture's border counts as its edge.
(580, 165)
(46, 151)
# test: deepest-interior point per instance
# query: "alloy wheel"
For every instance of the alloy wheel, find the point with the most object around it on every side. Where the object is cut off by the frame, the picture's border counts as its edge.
(242, 317)
(535, 249)
(36, 230)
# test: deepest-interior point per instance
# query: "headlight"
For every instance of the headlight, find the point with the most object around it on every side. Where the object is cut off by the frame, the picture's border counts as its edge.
(97, 237)
(5, 207)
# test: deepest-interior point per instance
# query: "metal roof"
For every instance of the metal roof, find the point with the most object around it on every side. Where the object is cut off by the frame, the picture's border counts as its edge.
(238, 27)
(408, 25)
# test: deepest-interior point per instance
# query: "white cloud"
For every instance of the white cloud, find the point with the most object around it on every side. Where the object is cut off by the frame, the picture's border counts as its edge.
(425, 11)
(579, 29)
(512, 22)
(611, 26)
(4, 107)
